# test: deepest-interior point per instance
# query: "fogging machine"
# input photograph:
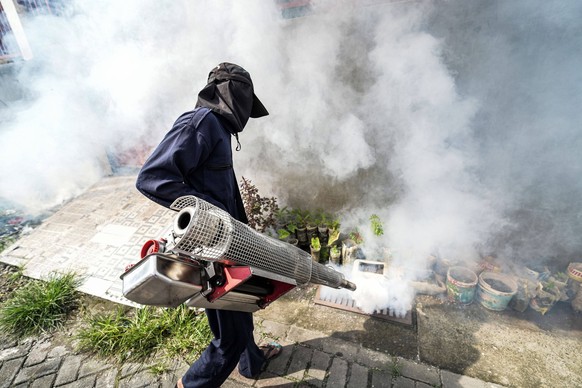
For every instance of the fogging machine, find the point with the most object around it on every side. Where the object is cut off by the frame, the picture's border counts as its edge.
(210, 260)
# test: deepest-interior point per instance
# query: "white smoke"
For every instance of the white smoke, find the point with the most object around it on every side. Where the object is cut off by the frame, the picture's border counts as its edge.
(456, 123)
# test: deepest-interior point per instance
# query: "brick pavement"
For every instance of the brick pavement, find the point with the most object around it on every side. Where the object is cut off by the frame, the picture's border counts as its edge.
(41, 363)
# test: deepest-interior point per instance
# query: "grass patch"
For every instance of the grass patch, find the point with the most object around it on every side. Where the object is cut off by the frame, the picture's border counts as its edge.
(40, 305)
(396, 369)
(6, 241)
(138, 334)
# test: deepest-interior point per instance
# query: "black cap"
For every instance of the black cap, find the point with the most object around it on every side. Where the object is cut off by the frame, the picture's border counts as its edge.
(229, 71)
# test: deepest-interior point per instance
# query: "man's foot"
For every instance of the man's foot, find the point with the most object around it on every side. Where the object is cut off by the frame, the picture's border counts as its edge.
(271, 350)
(179, 384)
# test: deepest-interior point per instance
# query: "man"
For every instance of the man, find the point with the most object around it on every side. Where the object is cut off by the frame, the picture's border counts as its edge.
(195, 158)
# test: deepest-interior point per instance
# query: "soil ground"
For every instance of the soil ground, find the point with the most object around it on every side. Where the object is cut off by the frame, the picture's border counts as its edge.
(508, 348)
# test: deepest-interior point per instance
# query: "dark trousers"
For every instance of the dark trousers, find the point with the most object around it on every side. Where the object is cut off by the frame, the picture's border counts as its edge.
(233, 343)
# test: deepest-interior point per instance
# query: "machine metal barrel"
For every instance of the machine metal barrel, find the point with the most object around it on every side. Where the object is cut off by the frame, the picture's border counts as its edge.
(203, 231)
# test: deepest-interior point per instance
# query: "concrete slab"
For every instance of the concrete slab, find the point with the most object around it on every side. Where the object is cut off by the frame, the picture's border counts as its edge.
(96, 235)
(509, 348)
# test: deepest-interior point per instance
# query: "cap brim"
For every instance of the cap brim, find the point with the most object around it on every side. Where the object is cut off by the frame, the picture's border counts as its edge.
(258, 109)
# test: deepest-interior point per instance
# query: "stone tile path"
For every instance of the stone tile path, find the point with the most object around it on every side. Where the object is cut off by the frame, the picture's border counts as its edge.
(335, 363)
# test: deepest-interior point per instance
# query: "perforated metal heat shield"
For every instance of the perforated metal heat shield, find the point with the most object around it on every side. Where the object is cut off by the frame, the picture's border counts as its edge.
(205, 232)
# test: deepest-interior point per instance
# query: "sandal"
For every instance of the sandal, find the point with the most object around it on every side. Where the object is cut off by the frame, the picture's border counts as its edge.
(271, 350)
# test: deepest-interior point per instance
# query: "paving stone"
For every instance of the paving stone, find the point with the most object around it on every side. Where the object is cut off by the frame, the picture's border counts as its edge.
(85, 382)
(374, 359)
(341, 348)
(130, 368)
(58, 351)
(318, 368)
(279, 365)
(403, 382)
(382, 379)
(453, 380)
(267, 379)
(299, 361)
(358, 376)
(44, 382)
(338, 373)
(15, 352)
(91, 366)
(7, 342)
(273, 330)
(298, 334)
(236, 376)
(424, 385)
(143, 378)
(107, 379)
(170, 381)
(68, 370)
(34, 372)
(8, 370)
(420, 372)
(38, 353)
(234, 384)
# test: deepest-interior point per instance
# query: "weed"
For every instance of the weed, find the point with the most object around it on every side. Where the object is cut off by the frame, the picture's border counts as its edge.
(376, 224)
(356, 237)
(158, 369)
(6, 241)
(40, 305)
(138, 334)
(17, 275)
(395, 369)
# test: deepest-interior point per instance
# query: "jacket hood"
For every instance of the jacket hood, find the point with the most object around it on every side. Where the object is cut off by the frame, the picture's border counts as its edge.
(230, 94)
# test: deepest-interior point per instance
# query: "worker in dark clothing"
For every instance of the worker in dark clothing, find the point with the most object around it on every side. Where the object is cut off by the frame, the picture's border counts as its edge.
(195, 158)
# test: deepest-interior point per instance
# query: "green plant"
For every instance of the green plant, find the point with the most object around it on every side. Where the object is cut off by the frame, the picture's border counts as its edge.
(333, 236)
(138, 334)
(40, 305)
(291, 227)
(315, 244)
(376, 224)
(261, 211)
(16, 275)
(356, 236)
(283, 234)
(282, 216)
(561, 277)
(301, 217)
(6, 241)
(395, 369)
(334, 250)
(334, 223)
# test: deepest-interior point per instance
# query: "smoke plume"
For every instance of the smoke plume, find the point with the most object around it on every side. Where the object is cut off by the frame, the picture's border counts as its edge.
(455, 122)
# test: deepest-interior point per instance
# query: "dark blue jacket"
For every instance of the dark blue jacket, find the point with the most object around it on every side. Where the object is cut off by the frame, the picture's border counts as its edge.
(194, 158)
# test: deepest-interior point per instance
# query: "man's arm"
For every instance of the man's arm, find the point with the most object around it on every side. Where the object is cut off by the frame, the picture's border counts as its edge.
(162, 177)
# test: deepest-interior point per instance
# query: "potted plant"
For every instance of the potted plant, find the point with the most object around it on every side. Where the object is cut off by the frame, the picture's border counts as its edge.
(322, 228)
(335, 254)
(283, 234)
(300, 222)
(282, 217)
(293, 241)
(315, 249)
(310, 225)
